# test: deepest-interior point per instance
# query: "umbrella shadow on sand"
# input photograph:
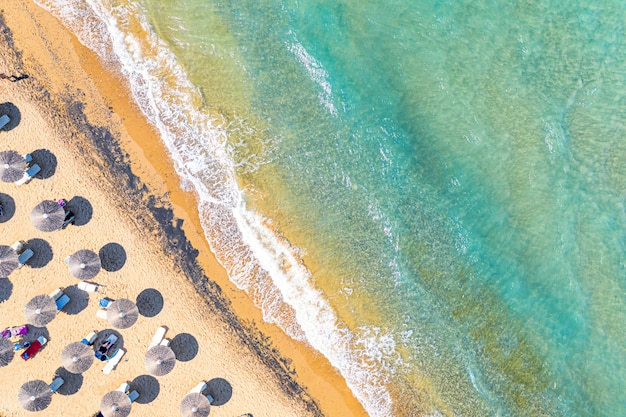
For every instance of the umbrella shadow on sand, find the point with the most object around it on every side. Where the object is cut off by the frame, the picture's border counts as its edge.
(184, 346)
(82, 209)
(103, 334)
(14, 114)
(149, 302)
(112, 257)
(47, 161)
(6, 289)
(148, 388)
(72, 382)
(42, 252)
(8, 207)
(220, 389)
(34, 332)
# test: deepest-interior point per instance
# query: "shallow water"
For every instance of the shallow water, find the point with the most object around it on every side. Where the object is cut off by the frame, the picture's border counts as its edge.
(431, 195)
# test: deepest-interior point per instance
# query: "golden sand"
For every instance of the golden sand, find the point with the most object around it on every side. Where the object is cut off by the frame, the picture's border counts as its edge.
(98, 152)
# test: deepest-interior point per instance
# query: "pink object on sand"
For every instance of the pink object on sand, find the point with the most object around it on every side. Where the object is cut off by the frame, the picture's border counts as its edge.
(14, 331)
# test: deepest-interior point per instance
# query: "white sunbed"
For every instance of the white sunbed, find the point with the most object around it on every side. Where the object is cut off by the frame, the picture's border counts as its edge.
(112, 363)
(124, 387)
(198, 388)
(158, 337)
(88, 286)
(29, 175)
(101, 314)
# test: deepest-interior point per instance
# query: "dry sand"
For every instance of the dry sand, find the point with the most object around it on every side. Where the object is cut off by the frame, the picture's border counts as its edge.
(98, 153)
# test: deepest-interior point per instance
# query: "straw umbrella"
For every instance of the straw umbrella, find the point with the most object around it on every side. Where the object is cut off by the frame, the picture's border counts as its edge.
(77, 357)
(12, 166)
(7, 351)
(122, 313)
(35, 395)
(47, 216)
(195, 405)
(115, 404)
(84, 264)
(40, 310)
(159, 360)
(8, 260)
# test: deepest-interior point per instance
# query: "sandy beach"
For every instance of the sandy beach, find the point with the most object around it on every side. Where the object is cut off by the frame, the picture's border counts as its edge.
(96, 151)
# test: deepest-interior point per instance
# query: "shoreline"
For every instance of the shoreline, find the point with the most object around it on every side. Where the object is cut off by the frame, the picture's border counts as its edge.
(142, 165)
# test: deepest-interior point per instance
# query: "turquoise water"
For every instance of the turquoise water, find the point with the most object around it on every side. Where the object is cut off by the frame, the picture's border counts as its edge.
(432, 195)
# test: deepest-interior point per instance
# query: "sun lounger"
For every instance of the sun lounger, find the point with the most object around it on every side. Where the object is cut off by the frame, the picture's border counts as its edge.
(101, 314)
(23, 257)
(56, 294)
(18, 246)
(56, 384)
(14, 331)
(210, 398)
(90, 338)
(158, 337)
(165, 342)
(29, 174)
(124, 387)
(34, 348)
(28, 158)
(133, 396)
(104, 302)
(69, 219)
(88, 286)
(112, 363)
(62, 301)
(198, 388)
(4, 119)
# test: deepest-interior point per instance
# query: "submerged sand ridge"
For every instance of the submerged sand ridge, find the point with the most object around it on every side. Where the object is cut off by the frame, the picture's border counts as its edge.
(146, 257)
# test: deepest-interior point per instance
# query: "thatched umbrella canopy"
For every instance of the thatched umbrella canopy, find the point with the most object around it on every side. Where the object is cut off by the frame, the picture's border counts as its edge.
(84, 264)
(12, 166)
(8, 260)
(115, 404)
(7, 351)
(122, 313)
(160, 360)
(35, 395)
(77, 357)
(195, 405)
(47, 216)
(41, 310)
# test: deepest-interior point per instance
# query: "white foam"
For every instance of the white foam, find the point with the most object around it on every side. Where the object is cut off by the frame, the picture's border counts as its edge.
(258, 260)
(316, 72)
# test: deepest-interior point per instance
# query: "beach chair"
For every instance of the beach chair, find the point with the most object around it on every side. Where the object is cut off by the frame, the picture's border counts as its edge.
(4, 120)
(165, 342)
(23, 257)
(29, 159)
(34, 348)
(198, 388)
(104, 302)
(101, 314)
(90, 338)
(62, 301)
(29, 174)
(18, 246)
(69, 219)
(88, 286)
(133, 396)
(158, 337)
(56, 294)
(14, 331)
(124, 387)
(113, 361)
(56, 384)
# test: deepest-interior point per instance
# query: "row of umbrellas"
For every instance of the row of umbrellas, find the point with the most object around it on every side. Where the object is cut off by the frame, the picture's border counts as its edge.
(42, 309)
(78, 357)
(84, 264)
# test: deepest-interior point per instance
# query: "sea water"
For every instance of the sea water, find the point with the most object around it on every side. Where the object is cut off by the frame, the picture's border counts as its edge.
(431, 194)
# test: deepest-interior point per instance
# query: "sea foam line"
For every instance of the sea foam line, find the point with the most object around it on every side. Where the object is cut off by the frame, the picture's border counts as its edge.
(257, 260)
